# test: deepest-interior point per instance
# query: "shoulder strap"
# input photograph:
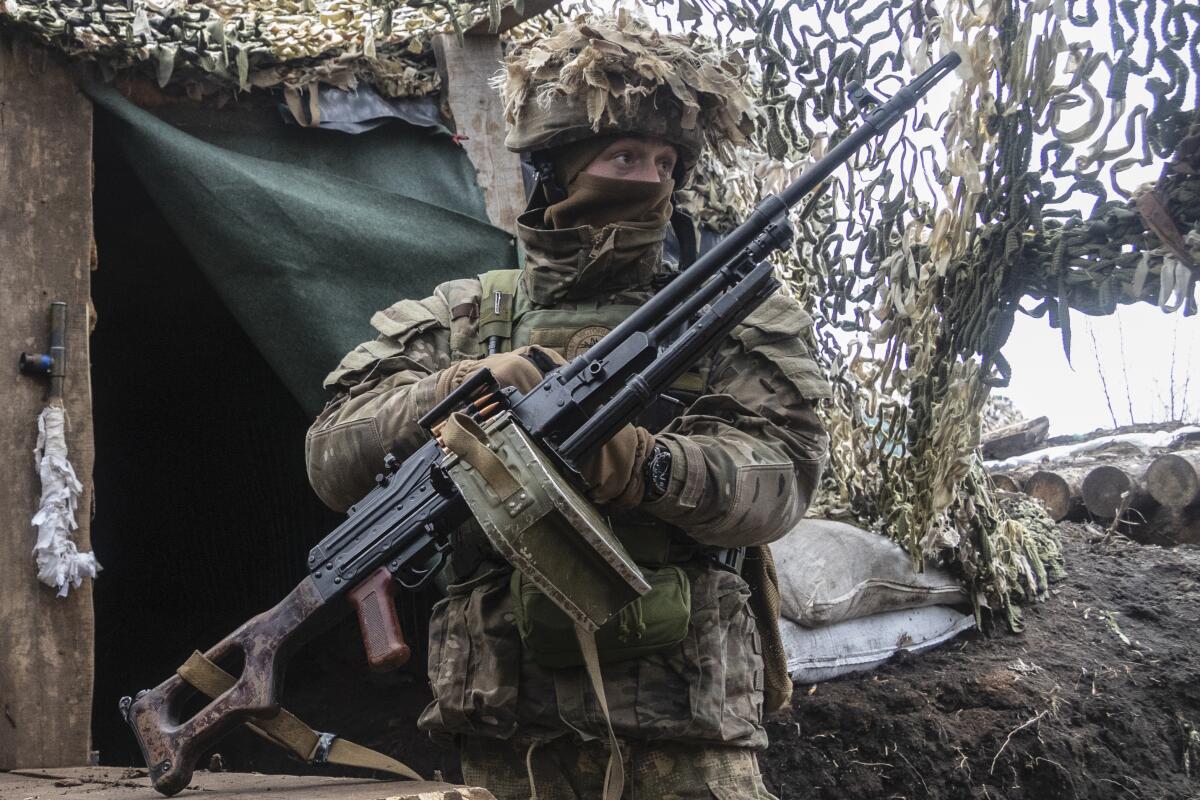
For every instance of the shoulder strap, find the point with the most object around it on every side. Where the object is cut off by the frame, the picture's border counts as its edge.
(758, 570)
(496, 305)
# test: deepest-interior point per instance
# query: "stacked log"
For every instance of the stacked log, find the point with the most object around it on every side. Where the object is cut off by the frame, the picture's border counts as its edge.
(1158, 503)
(1114, 489)
(1007, 482)
(1174, 480)
(1153, 500)
(1058, 490)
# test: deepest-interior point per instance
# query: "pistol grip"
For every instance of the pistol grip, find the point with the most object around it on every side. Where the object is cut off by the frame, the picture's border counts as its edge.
(375, 602)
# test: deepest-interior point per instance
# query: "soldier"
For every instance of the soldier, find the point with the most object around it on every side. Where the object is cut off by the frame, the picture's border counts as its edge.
(614, 115)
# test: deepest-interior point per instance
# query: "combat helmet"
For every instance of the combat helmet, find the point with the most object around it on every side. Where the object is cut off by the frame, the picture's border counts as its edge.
(600, 75)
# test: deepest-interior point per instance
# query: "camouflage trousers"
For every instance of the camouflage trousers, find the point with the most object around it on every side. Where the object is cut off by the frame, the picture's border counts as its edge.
(568, 769)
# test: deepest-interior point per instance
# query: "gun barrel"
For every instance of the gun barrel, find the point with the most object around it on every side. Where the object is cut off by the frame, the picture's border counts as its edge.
(876, 124)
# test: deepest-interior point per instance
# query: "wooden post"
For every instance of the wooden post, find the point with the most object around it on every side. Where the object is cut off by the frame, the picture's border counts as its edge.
(46, 642)
(466, 67)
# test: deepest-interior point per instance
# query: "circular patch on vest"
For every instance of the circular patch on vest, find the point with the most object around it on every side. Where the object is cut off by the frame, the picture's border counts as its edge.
(584, 338)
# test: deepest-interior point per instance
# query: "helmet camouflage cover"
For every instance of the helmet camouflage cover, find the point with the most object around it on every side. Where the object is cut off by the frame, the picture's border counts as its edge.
(602, 75)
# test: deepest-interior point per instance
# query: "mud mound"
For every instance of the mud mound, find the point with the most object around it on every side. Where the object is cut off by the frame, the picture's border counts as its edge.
(1098, 698)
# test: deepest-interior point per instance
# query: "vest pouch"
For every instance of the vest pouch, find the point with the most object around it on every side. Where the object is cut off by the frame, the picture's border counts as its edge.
(656, 621)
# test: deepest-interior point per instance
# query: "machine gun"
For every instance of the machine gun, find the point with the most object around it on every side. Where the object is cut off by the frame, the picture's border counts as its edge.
(484, 440)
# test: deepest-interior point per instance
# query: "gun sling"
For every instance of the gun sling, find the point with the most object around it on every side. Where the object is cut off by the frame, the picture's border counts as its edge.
(288, 731)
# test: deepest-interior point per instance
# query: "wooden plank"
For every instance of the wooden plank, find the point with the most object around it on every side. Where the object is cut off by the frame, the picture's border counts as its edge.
(510, 17)
(466, 66)
(115, 783)
(1013, 440)
(46, 642)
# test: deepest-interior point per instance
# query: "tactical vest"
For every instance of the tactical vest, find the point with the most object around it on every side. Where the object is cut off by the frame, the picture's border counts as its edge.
(504, 319)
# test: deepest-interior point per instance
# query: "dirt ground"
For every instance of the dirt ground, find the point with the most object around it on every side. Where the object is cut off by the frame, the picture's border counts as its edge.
(1098, 698)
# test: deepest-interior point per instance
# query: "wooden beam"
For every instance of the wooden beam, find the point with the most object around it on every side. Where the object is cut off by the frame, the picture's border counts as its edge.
(510, 17)
(466, 66)
(1013, 440)
(46, 642)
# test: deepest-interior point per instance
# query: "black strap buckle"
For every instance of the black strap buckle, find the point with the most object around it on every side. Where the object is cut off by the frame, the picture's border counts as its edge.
(731, 558)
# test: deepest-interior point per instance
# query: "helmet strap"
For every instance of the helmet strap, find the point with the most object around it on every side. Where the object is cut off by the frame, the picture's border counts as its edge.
(546, 189)
(685, 233)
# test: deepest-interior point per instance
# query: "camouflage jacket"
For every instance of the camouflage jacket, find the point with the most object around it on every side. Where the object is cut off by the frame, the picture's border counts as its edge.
(747, 454)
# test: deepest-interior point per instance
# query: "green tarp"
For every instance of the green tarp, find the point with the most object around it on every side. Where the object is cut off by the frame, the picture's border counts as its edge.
(306, 233)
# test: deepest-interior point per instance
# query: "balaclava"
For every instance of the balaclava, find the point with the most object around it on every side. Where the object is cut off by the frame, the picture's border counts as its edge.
(606, 236)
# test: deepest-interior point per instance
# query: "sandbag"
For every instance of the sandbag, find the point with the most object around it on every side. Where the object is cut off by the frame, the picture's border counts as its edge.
(831, 571)
(856, 645)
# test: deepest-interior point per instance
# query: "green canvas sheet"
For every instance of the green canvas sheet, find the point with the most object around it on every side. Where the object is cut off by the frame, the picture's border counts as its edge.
(305, 233)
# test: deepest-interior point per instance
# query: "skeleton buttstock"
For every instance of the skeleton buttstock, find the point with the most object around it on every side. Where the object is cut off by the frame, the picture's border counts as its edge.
(375, 601)
(170, 745)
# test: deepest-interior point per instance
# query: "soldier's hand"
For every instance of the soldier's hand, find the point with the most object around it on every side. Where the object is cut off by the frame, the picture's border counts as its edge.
(516, 369)
(614, 473)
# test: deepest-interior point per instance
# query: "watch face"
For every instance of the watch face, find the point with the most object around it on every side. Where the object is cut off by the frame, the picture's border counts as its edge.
(659, 470)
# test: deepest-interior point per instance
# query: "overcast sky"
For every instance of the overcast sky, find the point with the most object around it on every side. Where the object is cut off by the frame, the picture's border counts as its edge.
(1142, 354)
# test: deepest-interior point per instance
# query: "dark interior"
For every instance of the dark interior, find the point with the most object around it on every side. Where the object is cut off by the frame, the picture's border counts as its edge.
(203, 512)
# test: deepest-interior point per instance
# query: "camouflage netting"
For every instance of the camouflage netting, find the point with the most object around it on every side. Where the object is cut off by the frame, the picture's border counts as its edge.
(998, 412)
(1060, 170)
(243, 44)
(1016, 183)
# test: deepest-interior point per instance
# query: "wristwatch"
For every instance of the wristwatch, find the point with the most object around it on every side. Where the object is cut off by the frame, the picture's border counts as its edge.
(656, 471)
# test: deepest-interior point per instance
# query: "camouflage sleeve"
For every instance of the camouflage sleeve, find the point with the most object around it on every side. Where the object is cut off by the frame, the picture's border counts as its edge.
(747, 456)
(383, 387)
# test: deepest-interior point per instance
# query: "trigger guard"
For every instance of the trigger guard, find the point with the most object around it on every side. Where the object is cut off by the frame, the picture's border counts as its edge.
(420, 578)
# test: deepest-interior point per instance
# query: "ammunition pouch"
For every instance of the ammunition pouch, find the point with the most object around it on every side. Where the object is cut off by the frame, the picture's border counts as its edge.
(538, 522)
(656, 621)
